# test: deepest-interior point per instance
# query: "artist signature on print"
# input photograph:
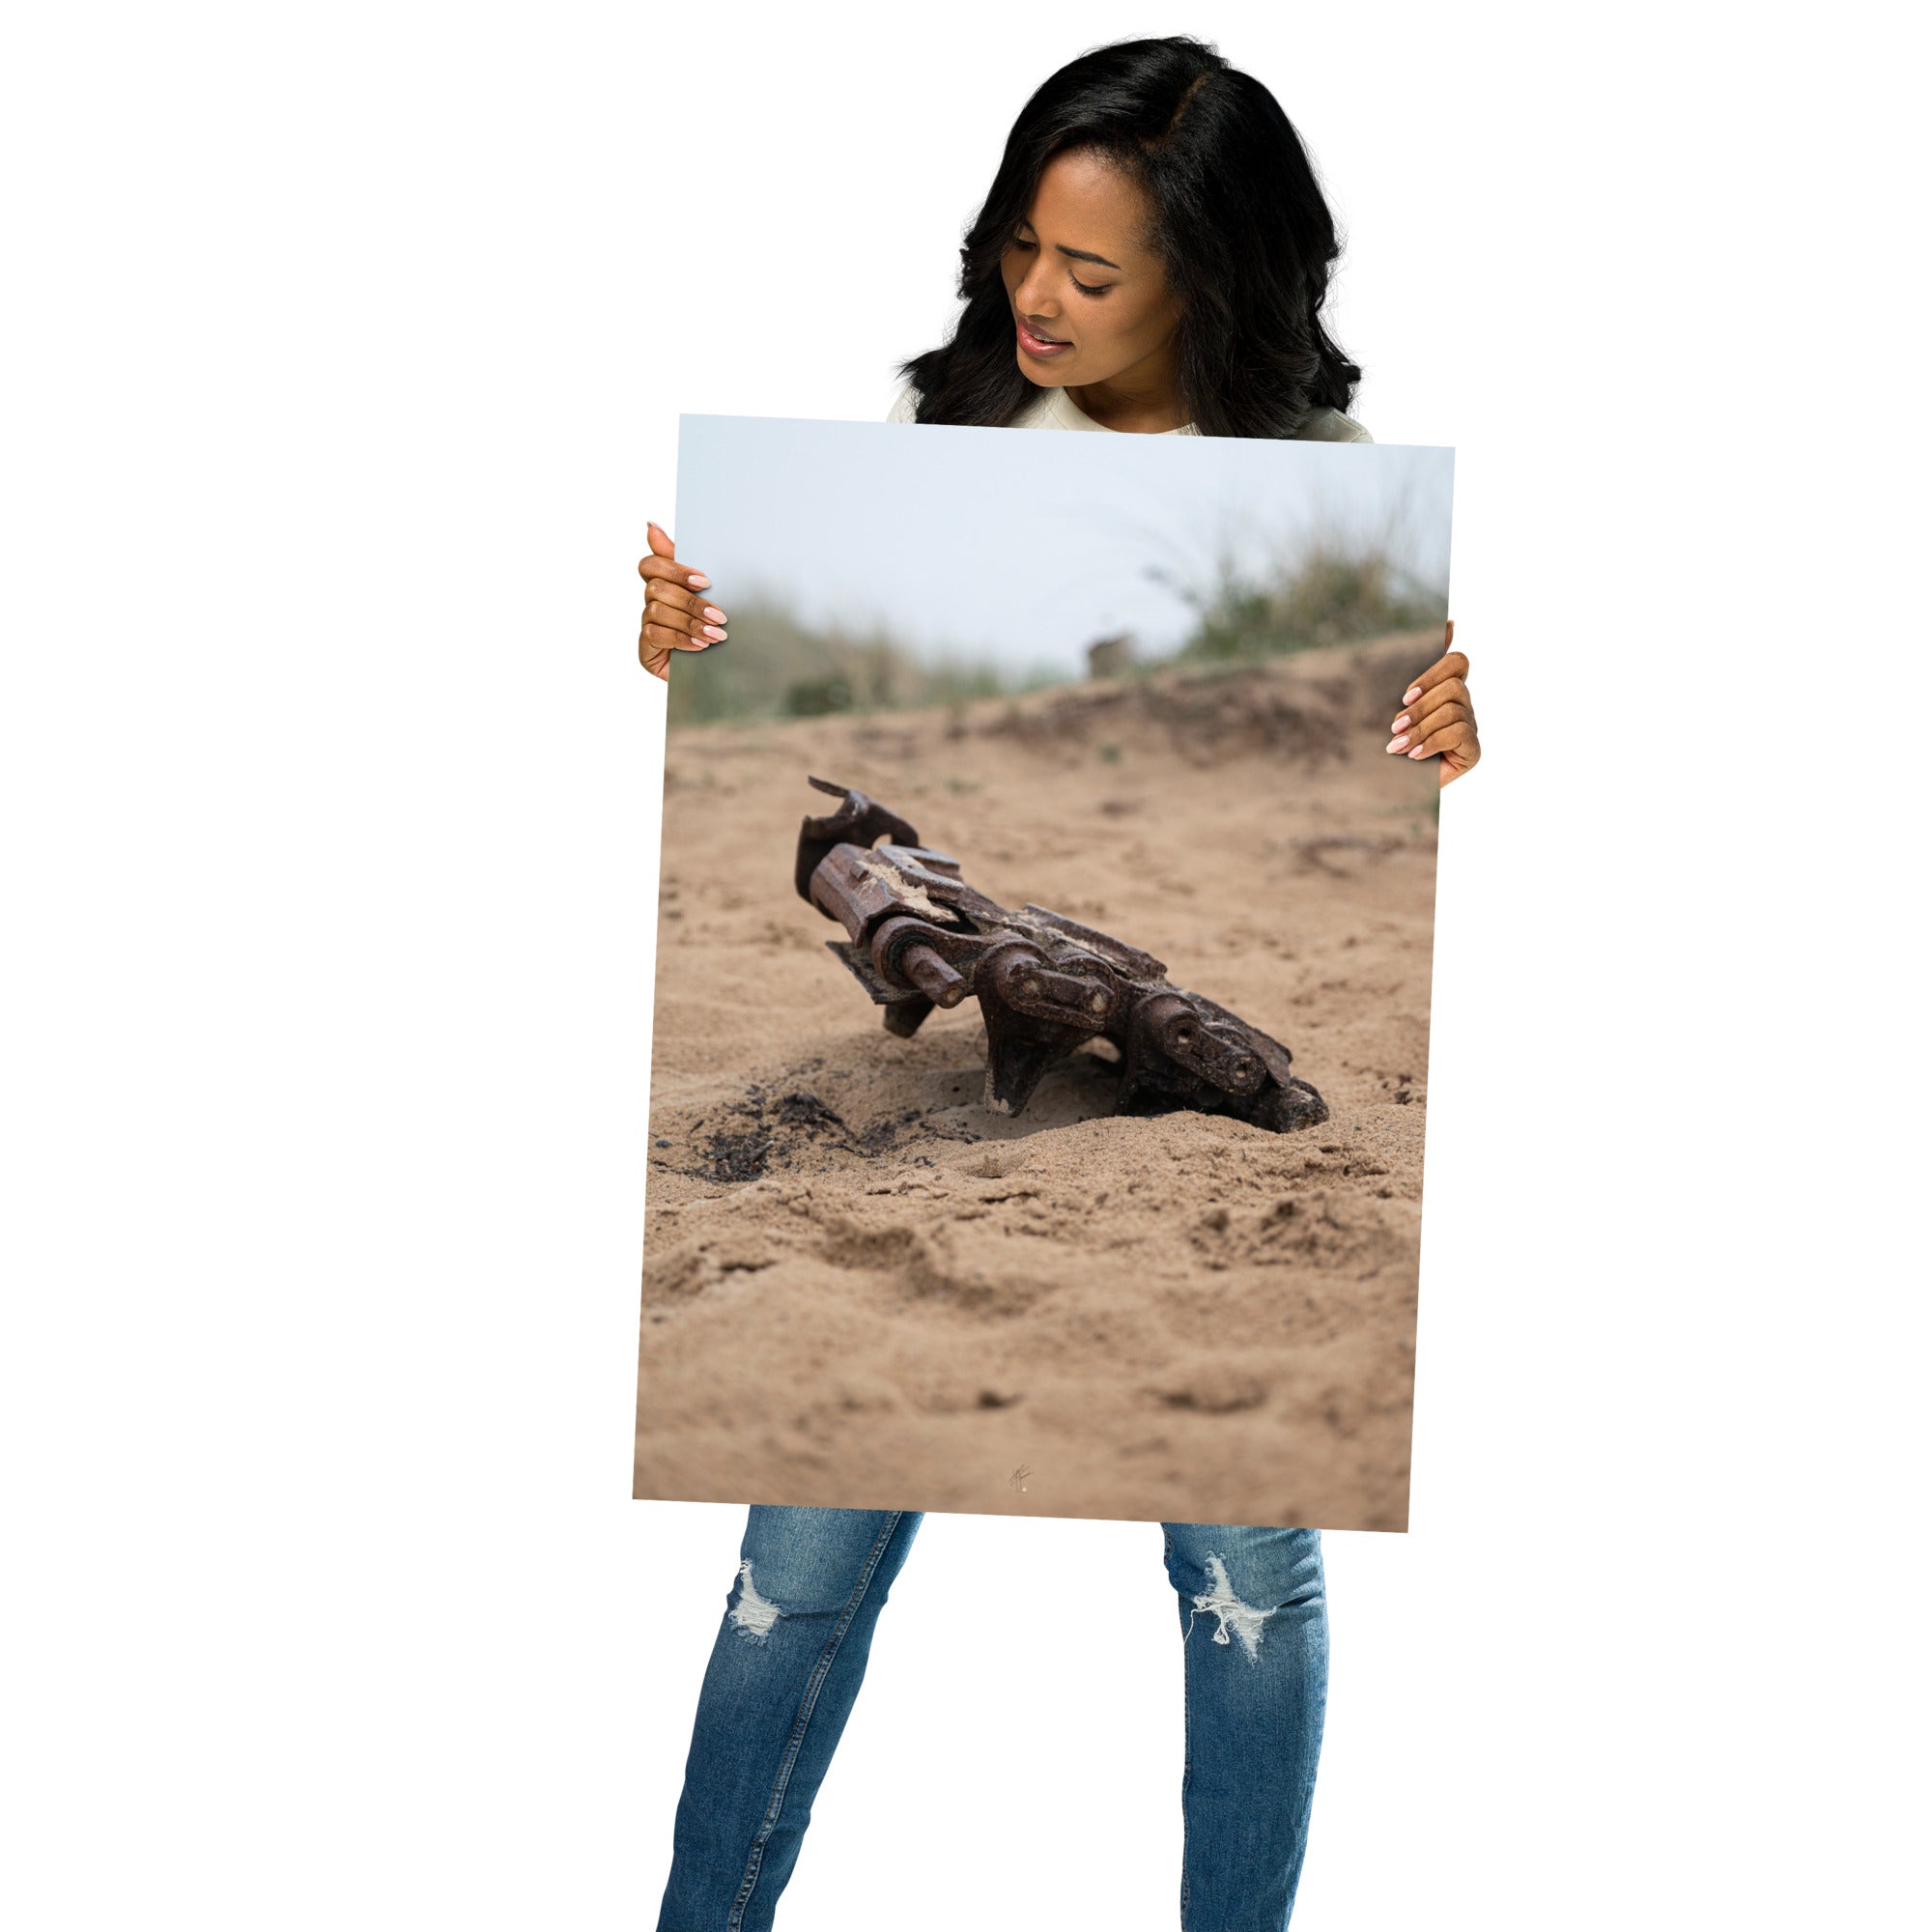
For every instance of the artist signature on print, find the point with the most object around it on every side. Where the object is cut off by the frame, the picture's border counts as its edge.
(1017, 1480)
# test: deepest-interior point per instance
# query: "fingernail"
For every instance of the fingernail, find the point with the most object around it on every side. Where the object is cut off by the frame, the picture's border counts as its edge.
(1395, 744)
(1400, 722)
(1417, 752)
(659, 527)
(714, 634)
(700, 581)
(716, 617)
(1409, 697)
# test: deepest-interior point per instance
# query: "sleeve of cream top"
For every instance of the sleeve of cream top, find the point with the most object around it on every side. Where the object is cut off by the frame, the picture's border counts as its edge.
(906, 408)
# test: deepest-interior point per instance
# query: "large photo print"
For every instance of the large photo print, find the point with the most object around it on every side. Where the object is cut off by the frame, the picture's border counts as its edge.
(1041, 1026)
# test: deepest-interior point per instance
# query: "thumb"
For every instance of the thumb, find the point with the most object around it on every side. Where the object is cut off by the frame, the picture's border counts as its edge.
(659, 542)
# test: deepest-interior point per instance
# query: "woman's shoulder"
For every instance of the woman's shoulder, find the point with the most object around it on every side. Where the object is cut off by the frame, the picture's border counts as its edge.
(1331, 426)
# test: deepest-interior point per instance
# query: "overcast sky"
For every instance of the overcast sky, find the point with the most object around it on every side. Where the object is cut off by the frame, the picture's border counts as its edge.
(1023, 547)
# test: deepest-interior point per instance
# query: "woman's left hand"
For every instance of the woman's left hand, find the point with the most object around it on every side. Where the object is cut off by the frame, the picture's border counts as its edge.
(1435, 719)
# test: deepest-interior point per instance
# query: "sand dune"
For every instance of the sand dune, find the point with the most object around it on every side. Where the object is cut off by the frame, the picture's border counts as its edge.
(862, 1287)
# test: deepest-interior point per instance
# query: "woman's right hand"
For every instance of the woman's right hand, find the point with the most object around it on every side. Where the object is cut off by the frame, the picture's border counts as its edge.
(676, 618)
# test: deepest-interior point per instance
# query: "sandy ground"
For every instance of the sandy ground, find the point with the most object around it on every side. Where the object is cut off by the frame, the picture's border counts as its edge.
(863, 1289)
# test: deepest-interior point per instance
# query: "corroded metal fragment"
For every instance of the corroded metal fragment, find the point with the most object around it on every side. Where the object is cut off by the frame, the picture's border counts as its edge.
(918, 936)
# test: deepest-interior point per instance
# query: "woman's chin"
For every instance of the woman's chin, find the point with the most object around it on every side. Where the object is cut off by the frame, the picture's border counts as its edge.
(1039, 377)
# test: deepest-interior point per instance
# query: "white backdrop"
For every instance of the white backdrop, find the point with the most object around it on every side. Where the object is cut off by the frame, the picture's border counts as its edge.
(345, 349)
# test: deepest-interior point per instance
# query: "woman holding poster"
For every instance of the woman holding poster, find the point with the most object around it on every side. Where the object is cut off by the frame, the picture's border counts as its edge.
(1153, 258)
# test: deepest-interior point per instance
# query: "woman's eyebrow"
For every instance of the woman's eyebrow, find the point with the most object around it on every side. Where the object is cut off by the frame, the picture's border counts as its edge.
(1077, 254)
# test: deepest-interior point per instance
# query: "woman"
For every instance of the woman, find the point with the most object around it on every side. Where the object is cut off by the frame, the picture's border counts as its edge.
(1152, 259)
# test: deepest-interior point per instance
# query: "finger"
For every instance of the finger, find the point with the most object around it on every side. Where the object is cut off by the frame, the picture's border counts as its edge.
(1439, 719)
(1459, 736)
(1425, 727)
(1453, 664)
(654, 569)
(685, 621)
(659, 540)
(1437, 708)
(1433, 725)
(668, 597)
(665, 638)
(1451, 691)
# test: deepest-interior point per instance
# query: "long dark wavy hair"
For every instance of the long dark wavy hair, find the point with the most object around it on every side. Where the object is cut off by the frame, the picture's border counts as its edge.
(1242, 232)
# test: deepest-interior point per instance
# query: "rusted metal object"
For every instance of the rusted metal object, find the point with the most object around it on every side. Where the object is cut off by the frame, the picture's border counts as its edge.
(918, 936)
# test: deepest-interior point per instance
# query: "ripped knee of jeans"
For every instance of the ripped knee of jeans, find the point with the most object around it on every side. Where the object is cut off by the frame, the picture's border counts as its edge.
(1238, 1621)
(752, 1615)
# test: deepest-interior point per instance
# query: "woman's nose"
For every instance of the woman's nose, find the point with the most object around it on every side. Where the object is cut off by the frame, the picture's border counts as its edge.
(1034, 297)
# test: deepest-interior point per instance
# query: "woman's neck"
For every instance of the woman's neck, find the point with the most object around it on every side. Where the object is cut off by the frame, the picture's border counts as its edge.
(1143, 399)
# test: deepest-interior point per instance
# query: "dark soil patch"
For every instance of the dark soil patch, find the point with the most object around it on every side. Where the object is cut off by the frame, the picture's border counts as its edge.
(781, 1127)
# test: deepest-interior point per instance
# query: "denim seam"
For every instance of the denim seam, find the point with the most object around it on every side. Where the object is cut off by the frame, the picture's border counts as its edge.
(774, 1809)
(1186, 1752)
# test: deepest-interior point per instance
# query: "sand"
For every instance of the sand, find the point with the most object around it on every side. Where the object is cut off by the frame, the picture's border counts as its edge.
(863, 1288)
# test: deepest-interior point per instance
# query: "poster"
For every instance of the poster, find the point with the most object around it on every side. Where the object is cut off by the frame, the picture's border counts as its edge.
(1041, 1047)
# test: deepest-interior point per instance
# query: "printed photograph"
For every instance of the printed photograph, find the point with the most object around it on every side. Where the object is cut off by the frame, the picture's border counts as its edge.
(1040, 1044)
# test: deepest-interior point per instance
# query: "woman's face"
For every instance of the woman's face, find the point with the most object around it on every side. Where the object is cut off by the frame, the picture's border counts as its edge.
(1090, 300)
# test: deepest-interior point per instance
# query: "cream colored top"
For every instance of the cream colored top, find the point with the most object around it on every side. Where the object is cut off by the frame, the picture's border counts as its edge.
(1055, 409)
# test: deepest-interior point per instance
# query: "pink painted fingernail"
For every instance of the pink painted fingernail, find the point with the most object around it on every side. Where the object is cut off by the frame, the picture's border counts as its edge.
(714, 634)
(1395, 744)
(1409, 697)
(717, 616)
(1417, 752)
(1400, 722)
(700, 581)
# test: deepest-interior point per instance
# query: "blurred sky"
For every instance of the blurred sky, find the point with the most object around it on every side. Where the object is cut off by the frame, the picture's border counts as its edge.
(1023, 547)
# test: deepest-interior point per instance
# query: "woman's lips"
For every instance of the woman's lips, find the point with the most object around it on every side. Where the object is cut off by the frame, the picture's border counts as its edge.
(1043, 346)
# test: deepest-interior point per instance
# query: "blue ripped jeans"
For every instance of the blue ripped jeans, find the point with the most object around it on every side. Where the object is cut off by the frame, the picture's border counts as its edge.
(791, 1650)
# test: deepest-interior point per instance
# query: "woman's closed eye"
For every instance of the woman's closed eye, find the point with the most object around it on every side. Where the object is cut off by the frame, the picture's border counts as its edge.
(1086, 288)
